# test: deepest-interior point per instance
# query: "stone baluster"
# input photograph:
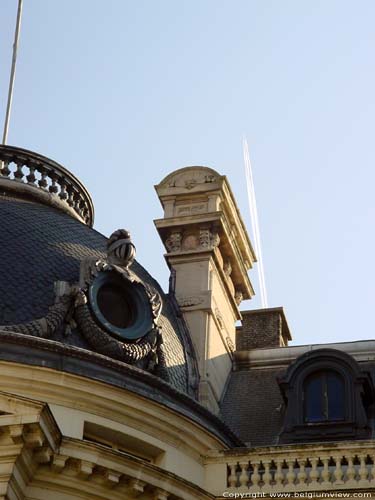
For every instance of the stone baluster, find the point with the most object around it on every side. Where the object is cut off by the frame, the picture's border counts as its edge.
(85, 214)
(53, 188)
(290, 475)
(363, 472)
(314, 473)
(18, 174)
(4, 168)
(350, 471)
(325, 472)
(81, 208)
(232, 478)
(43, 180)
(371, 475)
(63, 195)
(244, 476)
(255, 477)
(76, 201)
(338, 472)
(302, 475)
(31, 178)
(279, 476)
(267, 476)
(70, 199)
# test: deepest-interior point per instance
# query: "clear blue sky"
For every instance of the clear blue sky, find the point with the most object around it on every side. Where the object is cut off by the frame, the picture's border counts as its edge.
(123, 92)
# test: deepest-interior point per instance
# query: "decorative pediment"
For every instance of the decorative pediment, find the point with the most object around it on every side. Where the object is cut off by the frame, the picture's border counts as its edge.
(189, 178)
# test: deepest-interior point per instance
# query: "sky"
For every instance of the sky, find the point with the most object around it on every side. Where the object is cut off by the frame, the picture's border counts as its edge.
(124, 92)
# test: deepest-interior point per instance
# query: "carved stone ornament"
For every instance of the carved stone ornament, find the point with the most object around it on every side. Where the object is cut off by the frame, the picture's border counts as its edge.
(173, 243)
(56, 319)
(189, 301)
(238, 297)
(190, 183)
(230, 344)
(102, 282)
(227, 268)
(138, 340)
(120, 248)
(219, 317)
(190, 177)
(208, 239)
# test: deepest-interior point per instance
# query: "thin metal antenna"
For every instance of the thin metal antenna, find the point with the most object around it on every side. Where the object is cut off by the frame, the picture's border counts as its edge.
(254, 221)
(12, 72)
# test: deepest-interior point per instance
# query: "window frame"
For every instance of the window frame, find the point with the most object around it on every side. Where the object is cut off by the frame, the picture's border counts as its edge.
(324, 393)
(358, 390)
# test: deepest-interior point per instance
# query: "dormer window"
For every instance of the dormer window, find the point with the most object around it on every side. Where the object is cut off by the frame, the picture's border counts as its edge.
(324, 397)
(327, 396)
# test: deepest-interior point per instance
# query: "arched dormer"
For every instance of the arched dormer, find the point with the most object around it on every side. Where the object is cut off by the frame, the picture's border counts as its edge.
(327, 396)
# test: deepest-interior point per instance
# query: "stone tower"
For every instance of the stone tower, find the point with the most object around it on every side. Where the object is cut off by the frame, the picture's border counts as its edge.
(209, 254)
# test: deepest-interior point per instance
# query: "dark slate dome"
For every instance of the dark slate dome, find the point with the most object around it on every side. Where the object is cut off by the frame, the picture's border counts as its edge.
(42, 243)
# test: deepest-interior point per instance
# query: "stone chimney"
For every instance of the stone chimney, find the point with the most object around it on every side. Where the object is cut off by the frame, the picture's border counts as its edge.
(262, 328)
(209, 254)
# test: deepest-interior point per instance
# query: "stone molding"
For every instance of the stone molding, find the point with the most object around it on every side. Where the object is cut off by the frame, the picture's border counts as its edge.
(35, 457)
(106, 388)
(281, 357)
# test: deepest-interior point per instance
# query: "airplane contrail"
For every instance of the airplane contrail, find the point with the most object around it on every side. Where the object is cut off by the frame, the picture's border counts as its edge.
(254, 222)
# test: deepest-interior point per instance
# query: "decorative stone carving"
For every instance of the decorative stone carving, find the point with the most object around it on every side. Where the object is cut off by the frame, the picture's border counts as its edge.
(190, 242)
(230, 344)
(227, 268)
(192, 209)
(190, 183)
(58, 318)
(208, 239)
(191, 177)
(173, 243)
(219, 317)
(238, 297)
(120, 248)
(46, 327)
(215, 239)
(189, 301)
(204, 238)
(145, 351)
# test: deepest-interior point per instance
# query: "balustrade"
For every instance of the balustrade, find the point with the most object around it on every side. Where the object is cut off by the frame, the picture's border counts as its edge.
(302, 473)
(40, 173)
(307, 468)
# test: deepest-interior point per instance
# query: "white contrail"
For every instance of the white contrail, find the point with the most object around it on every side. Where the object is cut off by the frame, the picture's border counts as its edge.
(254, 222)
(12, 72)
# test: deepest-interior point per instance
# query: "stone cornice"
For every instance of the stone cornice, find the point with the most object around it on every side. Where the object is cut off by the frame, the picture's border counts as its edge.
(363, 350)
(30, 462)
(108, 372)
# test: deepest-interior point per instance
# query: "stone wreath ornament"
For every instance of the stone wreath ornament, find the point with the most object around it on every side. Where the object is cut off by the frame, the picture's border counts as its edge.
(47, 326)
(117, 312)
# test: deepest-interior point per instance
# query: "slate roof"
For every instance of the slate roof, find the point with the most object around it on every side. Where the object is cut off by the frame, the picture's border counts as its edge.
(39, 245)
(252, 406)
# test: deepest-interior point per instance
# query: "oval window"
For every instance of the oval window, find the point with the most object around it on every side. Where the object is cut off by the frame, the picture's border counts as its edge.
(121, 307)
(115, 305)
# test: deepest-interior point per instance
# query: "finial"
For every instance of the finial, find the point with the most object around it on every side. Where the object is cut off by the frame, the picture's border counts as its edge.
(120, 248)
